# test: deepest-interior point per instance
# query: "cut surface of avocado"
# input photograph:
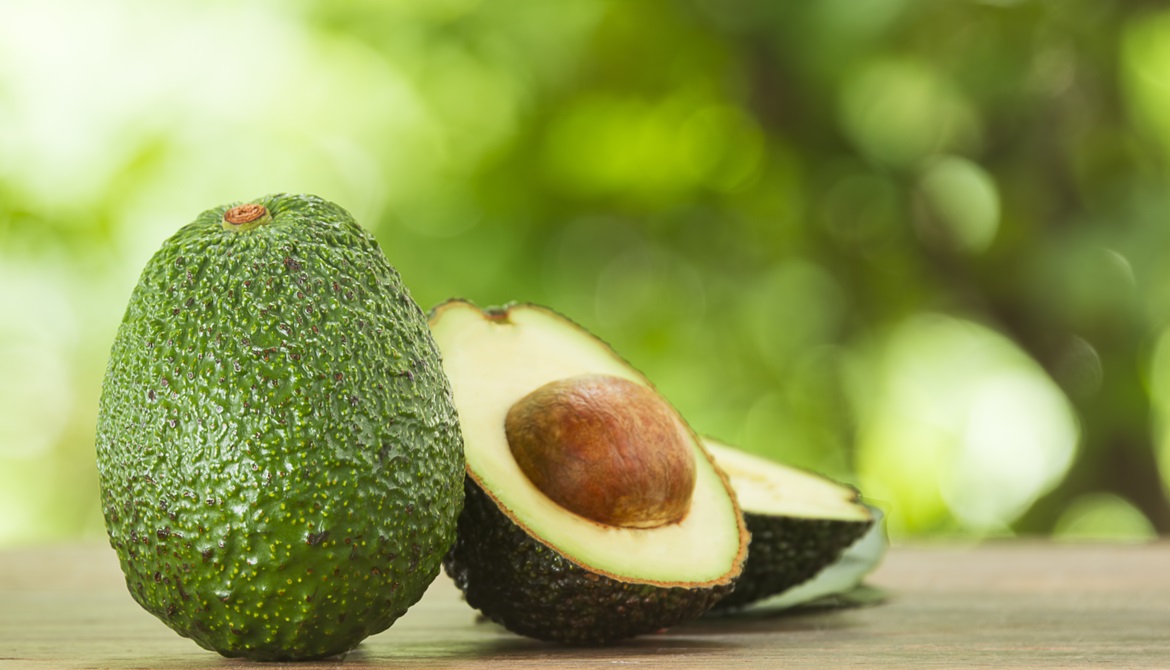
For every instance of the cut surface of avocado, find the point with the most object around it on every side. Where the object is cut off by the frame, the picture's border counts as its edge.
(569, 578)
(493, 362)
(800, 522)
(769, 488)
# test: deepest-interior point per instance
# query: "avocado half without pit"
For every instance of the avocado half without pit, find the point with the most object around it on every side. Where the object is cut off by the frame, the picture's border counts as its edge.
(800, 522)
(592, 511)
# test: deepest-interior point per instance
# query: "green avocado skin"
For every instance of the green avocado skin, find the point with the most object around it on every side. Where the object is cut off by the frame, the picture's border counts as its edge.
(787, 551)
(531, 589)
(279, 454)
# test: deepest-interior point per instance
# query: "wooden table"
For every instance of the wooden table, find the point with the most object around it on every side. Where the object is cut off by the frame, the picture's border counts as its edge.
(1029, 605)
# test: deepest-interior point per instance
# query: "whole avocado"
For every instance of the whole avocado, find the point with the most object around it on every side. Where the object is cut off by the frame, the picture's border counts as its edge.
(280, 459)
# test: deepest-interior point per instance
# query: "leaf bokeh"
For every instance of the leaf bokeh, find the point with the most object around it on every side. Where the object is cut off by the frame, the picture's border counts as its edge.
(915, 245)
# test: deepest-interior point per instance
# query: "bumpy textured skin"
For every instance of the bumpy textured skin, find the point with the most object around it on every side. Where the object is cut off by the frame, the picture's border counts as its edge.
(787, 551)
(531, 589)
(280, 460)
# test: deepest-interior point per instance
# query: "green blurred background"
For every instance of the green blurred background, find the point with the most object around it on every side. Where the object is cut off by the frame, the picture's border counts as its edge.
(917, 245)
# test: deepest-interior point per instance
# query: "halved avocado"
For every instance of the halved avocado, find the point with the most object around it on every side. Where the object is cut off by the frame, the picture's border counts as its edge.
(800, 522)
(530, 563)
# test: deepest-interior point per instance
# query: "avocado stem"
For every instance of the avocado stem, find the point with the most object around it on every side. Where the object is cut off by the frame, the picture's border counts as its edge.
(498, 314)
(245, 217)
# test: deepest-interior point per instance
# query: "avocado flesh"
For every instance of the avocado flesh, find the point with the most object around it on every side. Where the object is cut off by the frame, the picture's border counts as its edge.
(279, 455)
(532, 565)
(800, 523)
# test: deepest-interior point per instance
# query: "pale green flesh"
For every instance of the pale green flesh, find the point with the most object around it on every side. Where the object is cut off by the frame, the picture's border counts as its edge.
(494, 363)
(770, 488)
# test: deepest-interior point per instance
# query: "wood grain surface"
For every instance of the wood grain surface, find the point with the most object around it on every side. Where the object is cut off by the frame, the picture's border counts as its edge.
(1017, 605)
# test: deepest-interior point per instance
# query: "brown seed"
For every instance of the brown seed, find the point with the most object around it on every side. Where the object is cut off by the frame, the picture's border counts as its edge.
(605, 448)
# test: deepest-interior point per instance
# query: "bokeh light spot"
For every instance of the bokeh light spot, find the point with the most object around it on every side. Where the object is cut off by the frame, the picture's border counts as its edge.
(964, 202)
(959, 428)
(901, 111)
(1103, 516)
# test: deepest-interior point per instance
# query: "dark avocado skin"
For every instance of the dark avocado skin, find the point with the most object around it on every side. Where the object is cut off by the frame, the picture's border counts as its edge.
(787, 551)
(280, 460)
(531, 589)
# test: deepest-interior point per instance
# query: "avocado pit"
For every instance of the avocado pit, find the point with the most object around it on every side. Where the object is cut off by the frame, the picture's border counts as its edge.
(605, 448)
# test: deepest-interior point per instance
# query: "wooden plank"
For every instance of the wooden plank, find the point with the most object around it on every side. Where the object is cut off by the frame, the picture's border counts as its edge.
(1031, 605)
